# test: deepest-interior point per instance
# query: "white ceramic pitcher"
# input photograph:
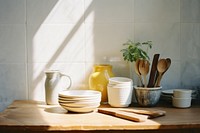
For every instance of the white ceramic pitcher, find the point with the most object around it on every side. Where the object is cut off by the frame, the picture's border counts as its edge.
(53, 85)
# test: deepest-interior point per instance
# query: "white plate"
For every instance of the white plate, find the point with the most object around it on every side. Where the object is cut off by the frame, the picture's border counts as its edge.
(78, 105)
(79, 99)
(81, 102)
(166, 97)
(167, 92)
(80, 110)
(80, 94)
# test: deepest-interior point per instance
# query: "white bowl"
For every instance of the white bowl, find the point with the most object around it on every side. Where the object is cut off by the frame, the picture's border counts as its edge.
(119, 96)
(79, 94)
(181, 102)
(120, 80)
(80, 104)
(119, 86)
(80, 109)
(79, 99)
(95, 99)
(182, 93)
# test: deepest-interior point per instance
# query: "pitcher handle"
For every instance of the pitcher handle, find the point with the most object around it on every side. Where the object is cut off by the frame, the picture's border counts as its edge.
(70, 83)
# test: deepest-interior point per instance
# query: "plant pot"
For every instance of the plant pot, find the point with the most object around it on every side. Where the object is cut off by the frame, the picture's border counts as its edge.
(147, 97)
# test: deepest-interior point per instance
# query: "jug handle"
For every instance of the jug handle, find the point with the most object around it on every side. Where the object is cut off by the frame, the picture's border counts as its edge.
(70, 84)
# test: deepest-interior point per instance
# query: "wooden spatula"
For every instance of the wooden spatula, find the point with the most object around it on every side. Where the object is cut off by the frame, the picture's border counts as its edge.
(153, 71)
(124, 115)
(151, 114)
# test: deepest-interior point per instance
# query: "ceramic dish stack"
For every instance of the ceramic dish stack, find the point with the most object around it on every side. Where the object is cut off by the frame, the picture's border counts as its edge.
(167, 95)
(80, 101)
(120, 91)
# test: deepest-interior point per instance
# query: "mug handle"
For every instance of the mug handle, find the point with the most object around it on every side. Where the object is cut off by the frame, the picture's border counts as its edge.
(64, 75)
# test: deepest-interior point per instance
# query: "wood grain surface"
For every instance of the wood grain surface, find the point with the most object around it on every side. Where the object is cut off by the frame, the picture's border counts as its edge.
(33, 116)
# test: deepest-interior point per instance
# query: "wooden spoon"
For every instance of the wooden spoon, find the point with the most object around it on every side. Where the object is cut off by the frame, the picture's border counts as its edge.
(144, 69)
(137, 70)
(162, 68)
(168, 63)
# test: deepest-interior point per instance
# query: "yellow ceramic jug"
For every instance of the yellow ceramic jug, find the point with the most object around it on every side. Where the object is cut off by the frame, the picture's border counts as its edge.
(98, 80)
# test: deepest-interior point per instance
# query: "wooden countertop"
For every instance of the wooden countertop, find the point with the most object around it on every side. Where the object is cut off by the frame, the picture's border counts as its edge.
(24, 115)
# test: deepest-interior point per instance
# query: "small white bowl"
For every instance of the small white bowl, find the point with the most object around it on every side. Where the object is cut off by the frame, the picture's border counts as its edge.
(120, 96)
(79, 94)
(120, 80)
(81, 109)
(182, 93)
(181, 102)
(119, 86)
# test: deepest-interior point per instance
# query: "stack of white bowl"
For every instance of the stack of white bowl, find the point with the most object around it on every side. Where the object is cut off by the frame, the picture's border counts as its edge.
(182, 98)
(120, 91)
(80, 101)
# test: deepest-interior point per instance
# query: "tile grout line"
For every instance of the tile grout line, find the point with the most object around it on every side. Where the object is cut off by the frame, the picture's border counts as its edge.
(180, 41)
(26, 53)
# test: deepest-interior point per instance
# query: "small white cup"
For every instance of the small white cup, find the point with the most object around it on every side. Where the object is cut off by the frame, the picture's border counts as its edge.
(182, 93)
(181, 102)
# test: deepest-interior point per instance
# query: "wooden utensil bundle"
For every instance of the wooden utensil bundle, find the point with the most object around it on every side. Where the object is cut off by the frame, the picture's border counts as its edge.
(158, 68)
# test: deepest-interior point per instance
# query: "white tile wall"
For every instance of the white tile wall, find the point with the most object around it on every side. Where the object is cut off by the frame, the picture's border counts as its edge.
(12, 43)
(12, 11)
(190, 47)
(72, 35)
(111, 36)
(54, 11)
(165, 36)
(190, 11)
(157, 11)
(108, 10)
(56, 43)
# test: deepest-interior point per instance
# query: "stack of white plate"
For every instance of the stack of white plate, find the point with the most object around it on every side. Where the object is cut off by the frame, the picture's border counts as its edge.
(79, 100)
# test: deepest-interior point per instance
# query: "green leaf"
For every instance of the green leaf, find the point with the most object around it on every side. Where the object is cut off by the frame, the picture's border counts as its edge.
(133, 51)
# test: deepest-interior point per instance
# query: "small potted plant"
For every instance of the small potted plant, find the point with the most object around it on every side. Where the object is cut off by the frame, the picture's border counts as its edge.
(134, 51)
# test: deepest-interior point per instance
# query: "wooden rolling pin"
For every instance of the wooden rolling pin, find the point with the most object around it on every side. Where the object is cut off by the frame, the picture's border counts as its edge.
(124, 115)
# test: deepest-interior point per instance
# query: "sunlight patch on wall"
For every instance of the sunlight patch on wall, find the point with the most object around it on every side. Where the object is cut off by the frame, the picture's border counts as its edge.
(57, 43)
